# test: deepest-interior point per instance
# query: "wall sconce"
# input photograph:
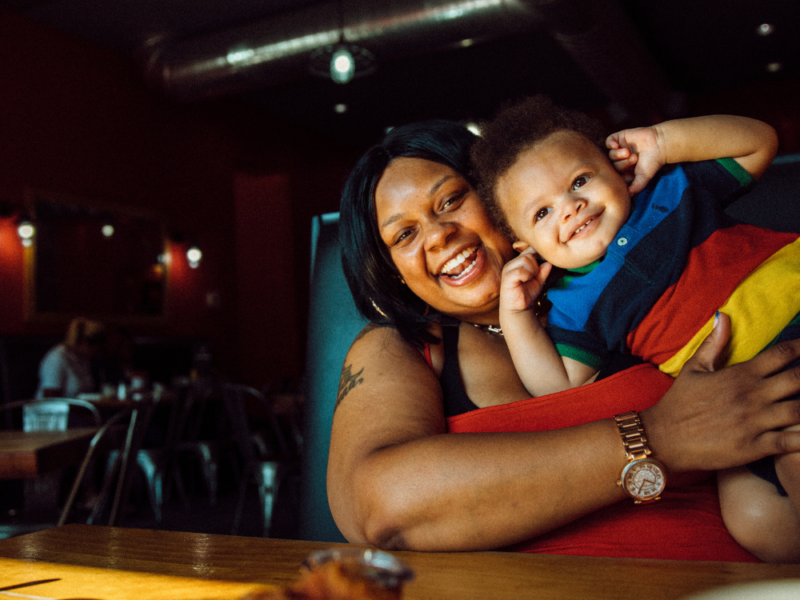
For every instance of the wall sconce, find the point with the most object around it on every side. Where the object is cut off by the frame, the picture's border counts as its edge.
(26, 230)
(193, 255)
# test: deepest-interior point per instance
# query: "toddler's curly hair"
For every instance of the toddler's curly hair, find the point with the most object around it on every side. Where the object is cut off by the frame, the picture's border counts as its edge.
(514, 129)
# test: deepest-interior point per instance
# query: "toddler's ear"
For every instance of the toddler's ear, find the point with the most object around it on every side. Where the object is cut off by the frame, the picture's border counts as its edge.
(520, 246)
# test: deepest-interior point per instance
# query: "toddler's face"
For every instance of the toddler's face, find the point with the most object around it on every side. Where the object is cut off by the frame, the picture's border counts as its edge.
(564, 198)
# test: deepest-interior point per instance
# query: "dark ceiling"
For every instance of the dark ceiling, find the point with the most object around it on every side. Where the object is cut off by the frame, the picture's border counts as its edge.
(633, 59)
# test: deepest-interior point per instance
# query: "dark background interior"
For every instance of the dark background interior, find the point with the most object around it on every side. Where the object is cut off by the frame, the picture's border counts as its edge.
(109, 104)
(112, 103)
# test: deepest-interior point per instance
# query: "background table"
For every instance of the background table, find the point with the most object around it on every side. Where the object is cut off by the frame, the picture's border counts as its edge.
(25, 455)
(443, 576)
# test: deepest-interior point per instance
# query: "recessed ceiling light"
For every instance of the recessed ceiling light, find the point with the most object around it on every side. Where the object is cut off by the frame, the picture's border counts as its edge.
(340, 108)
(765, 29)
(466, 42)
(473, 127)
(774, 67)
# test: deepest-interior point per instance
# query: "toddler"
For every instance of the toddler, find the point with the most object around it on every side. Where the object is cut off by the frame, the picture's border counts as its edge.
(649, 259)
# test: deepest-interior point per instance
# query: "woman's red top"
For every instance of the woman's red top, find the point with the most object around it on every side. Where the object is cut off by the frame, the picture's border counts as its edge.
(685, 525)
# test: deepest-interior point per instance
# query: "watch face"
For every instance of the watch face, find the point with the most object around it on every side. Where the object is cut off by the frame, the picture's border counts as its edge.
(644, 480)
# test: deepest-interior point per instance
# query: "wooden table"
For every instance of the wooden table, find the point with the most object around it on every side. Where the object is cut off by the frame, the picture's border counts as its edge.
(108, 563)
(26, 455)
(29, 454)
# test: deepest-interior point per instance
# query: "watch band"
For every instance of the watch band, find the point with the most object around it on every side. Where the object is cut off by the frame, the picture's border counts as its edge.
(643, 478)
(632, 433)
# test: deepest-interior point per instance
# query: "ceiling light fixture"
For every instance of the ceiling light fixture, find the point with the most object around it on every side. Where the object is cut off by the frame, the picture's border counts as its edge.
(341, 61)
(474, 128)
(340, 108)
(774, 67)
(765, 29)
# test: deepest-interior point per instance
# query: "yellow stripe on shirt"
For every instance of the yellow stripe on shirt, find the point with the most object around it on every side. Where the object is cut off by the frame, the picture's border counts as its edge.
(759, 308)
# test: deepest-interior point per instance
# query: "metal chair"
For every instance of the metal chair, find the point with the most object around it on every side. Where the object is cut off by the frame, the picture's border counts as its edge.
(199, 395)
(267, 459)
(56, 420)
(156, 463)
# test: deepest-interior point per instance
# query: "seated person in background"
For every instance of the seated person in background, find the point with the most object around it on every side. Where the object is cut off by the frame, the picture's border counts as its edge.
(647, 265)
(66, 369)
(436, 444)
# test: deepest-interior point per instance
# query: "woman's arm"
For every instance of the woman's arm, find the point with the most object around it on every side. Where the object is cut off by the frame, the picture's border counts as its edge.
(715, 419)
(397, 480)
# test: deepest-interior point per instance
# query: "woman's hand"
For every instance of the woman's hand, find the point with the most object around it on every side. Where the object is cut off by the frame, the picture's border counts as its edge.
(523, 281)
(637, 155)
(715, 419)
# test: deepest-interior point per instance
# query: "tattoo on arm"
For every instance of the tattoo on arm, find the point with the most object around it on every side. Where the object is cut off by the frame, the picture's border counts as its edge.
(347, 382)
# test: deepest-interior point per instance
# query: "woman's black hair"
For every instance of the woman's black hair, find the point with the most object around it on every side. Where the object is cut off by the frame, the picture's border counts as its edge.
(371, 274)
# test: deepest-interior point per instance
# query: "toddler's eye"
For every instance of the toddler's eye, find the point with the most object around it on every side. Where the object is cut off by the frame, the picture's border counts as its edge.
(542, 213)
(580, 182)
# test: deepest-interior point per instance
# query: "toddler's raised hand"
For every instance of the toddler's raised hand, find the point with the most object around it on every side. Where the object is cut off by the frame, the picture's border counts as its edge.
(523, 281)
(637, 155)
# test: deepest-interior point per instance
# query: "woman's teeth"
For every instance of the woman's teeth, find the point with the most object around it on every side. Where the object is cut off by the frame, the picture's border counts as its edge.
(465, 271)
(458, 260)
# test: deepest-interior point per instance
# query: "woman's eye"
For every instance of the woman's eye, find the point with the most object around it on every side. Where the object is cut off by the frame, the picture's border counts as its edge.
(542, 213)
(450, 201)
(580, 182)
(403, 235)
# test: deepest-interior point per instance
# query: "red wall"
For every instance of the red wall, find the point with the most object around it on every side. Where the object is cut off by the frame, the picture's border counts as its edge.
(77, 120)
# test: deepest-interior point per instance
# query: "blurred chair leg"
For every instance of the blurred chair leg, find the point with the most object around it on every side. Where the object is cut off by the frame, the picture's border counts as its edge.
(268, 480)
(112, 467)
(114, 464)
(178, 479)
(237, 515)
(155, 482)
(210, 461)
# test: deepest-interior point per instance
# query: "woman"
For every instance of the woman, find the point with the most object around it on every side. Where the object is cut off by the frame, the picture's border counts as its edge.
(66, 369)
(424, 262)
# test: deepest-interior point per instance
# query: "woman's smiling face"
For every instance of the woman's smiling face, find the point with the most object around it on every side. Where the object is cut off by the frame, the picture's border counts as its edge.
(440, 238)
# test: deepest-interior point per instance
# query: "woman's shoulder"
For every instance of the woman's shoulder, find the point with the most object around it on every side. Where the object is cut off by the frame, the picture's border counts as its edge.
(57, 352)
(384, 334)
(377, 342)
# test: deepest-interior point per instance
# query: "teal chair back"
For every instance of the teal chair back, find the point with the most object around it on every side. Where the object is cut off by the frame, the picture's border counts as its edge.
(333, 324)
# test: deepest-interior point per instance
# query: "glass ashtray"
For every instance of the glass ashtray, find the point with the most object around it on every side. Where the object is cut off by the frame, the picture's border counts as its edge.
(381, 568)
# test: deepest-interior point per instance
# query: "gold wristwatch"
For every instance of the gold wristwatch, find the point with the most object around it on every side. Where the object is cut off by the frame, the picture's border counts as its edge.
(643, 478)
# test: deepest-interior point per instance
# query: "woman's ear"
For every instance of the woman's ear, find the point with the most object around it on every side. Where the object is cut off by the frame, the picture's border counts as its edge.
(520, 246)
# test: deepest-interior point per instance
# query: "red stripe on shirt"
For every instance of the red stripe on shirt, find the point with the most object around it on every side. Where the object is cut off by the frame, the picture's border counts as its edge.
(713, 271)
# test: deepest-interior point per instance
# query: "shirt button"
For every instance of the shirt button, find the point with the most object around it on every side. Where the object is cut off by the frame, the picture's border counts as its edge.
(622, 241)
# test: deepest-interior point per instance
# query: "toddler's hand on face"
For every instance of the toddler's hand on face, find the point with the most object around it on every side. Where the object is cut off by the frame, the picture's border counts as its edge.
(637, 155)
(523, 281)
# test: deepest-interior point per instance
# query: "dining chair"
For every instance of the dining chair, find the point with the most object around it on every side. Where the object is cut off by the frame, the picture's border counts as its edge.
(156, 463)
(268, 457)
(333, 323)
(49, 415)
(201, 399)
